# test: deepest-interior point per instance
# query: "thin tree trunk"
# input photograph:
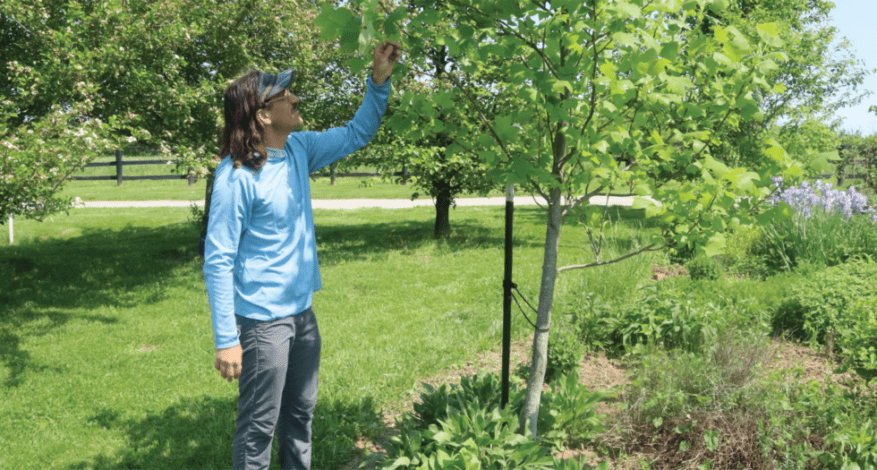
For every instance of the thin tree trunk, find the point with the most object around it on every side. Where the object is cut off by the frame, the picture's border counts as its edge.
(442, 211)
(530, 413)
(332, 174)
(539, 359)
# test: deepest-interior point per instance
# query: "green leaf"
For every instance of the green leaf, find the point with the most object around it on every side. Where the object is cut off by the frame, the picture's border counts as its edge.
(625, 9)
(560, 86)
(678, 85)
(625, 39)
(711, 438)
(331, 21)
(670, 50)
(769, 33)
(776, 153)
(651, 208)
(719, 6)
(718, 168)
(658, 66)
(356, 65)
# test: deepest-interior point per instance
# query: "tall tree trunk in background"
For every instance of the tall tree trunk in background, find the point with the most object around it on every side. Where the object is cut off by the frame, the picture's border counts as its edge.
(332, 174)
(443, 202)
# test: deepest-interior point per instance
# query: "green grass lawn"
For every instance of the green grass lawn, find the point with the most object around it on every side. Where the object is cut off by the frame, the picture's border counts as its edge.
(106, 348)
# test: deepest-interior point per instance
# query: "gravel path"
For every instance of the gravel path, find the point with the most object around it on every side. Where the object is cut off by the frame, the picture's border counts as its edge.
(362, 203)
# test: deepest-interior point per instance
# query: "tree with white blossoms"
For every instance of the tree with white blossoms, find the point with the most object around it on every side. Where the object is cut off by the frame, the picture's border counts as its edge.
(614, 92)
(38, 156)
(83, 77)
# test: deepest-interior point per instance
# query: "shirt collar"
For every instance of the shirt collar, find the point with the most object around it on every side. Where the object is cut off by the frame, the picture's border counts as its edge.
(274, 153)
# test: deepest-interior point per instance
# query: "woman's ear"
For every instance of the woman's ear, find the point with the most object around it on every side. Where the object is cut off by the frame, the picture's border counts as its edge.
(263, 117)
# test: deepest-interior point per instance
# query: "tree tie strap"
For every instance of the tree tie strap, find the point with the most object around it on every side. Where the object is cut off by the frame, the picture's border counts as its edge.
(514, 286)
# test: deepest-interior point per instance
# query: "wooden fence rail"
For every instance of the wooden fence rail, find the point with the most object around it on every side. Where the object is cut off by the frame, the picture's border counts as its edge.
(119, 164)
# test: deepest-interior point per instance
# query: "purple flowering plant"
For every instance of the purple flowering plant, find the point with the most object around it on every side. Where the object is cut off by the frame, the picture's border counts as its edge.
(806, 197)
(828, 226)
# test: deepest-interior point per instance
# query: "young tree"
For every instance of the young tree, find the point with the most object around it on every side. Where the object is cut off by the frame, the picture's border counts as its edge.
(613, 91)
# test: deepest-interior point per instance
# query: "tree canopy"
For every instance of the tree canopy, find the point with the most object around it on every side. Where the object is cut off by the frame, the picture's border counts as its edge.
(610, 91)
(83, 77)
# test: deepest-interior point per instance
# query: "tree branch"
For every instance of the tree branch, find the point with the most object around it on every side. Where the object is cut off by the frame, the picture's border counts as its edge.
(651, 247)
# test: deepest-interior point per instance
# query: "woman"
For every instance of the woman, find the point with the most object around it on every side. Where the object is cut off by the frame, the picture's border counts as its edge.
(260, 260)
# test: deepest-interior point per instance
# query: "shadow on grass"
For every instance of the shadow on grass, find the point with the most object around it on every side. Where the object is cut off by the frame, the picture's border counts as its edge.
(46, 284)
(197, 433)
(351, 242)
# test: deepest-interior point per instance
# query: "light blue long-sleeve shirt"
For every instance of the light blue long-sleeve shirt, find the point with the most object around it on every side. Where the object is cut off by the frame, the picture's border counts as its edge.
(260, 253)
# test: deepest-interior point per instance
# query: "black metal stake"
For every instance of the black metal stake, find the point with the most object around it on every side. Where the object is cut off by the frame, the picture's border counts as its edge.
(507, 293)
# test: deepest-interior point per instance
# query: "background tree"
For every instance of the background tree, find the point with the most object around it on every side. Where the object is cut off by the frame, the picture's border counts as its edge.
(613, 91)
(438, 171)
(84, 77)
(820, 76)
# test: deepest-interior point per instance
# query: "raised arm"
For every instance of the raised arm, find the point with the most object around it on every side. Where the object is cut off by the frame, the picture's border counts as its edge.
(325, 148)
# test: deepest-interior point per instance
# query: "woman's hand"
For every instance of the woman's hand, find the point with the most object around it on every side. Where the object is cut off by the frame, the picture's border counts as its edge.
(385, 57)
(228, 362)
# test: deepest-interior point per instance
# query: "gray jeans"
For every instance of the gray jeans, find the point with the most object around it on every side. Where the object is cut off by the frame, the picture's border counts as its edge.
(278, 390)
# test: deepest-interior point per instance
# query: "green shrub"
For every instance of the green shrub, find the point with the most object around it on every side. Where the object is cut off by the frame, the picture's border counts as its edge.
(704, 267)
(569, 413)
(818, 304)
(664, 317)
(851, 448)
(474, 437)
(837, 308)
(485, 390)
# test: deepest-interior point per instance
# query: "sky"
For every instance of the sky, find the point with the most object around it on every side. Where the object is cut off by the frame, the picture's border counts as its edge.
(855, 20)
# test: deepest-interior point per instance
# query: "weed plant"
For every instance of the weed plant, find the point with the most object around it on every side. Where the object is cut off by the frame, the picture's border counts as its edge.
(704, 267)
(701, 409)
(718, 409)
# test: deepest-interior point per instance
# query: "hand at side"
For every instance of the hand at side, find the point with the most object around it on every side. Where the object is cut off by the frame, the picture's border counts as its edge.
(228, 362)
